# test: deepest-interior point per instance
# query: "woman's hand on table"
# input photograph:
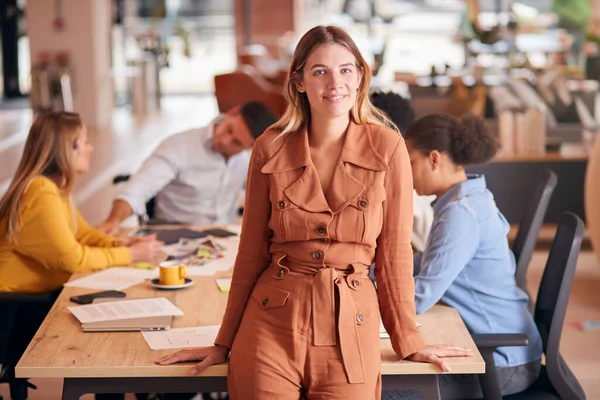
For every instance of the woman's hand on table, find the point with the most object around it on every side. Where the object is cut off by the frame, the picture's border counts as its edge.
(434, 354)
(110, 227)
(137, 239)
(207, 355)
(145, 250)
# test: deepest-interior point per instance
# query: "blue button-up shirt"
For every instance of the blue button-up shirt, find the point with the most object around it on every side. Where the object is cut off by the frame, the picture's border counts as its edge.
(468, 265)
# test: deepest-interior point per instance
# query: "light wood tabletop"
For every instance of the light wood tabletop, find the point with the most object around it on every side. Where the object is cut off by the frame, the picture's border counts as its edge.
(60, 349)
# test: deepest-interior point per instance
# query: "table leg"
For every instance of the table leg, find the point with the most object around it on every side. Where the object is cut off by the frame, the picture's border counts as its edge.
(71, 389)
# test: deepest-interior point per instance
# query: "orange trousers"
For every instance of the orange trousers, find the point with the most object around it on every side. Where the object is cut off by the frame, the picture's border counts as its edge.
(307, 333)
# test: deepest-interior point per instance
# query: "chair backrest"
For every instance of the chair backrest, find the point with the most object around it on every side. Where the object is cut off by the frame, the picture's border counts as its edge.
(530, 224)
(10, 302)
(244, 85)
(552, 301)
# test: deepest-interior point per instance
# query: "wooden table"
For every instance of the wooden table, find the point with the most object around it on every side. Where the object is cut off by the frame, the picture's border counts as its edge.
(122, 362)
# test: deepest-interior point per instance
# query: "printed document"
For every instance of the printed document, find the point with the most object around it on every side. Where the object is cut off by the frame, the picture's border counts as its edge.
(125, 309)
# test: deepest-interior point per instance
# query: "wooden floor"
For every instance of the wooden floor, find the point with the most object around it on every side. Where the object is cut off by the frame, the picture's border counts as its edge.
(122, 149)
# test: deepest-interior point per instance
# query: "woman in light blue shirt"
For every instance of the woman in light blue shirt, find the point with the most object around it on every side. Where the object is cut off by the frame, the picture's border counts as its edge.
(467, 263)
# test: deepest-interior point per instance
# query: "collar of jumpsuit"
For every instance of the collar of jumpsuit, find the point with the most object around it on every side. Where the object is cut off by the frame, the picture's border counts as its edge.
(307, 193)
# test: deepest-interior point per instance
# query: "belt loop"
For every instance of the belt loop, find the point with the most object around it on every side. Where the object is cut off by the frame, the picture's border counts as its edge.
(279, 256)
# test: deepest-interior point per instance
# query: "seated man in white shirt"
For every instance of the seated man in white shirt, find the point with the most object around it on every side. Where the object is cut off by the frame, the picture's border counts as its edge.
(198, 175)
(401, 113)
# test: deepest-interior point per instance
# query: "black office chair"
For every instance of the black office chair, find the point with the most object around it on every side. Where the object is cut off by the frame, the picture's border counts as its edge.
(21, 314)
(529, 228)
(556, 381)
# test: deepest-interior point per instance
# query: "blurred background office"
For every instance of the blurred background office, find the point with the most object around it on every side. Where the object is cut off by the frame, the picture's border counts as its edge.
(138, 71)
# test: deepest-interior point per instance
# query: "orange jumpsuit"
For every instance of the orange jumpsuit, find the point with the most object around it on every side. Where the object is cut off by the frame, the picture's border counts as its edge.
(302, 319)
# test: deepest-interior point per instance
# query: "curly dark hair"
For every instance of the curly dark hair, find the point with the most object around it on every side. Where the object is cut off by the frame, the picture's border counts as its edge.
(396, 107)
(467, 141)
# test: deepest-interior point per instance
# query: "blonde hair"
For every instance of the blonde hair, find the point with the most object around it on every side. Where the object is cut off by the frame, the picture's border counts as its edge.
(297, 112)
(48, 152)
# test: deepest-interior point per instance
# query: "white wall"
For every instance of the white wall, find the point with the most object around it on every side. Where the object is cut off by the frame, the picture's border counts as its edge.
(86, 37)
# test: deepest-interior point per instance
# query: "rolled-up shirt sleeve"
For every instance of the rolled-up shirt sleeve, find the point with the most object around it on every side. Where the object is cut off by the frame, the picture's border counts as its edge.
(157, 171)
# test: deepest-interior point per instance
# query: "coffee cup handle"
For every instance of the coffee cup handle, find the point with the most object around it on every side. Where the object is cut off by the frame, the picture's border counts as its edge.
(183, 271)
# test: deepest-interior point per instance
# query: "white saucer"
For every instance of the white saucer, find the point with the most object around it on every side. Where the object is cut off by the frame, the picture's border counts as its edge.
(156, 283)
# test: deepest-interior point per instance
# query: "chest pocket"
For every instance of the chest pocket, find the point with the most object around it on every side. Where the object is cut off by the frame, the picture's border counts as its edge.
(288, 221)
(362, 219)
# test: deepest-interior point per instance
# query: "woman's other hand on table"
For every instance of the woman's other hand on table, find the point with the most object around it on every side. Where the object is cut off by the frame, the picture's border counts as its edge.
(207, 355)
(434, 354)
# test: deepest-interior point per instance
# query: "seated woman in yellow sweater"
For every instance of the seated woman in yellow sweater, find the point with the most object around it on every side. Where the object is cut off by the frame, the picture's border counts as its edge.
(43, 238)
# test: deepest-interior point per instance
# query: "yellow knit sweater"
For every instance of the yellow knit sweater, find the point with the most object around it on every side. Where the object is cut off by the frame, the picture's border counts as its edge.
(48, 248)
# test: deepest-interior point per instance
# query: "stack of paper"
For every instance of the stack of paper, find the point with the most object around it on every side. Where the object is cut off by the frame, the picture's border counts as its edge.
(116, 278)
(135, 314)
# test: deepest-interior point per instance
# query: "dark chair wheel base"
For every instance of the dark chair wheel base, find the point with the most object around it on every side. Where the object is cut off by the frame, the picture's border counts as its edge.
(18, 389)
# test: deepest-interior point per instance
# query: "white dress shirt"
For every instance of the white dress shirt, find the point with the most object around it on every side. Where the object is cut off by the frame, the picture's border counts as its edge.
(423, 219)
(192, 183)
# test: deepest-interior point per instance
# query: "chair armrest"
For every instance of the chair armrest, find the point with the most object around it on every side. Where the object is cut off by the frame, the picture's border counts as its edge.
(15, 297)
(494, 340)
(486, 344)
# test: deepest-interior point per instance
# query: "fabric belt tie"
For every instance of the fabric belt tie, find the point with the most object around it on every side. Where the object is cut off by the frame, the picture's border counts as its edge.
(326, 281)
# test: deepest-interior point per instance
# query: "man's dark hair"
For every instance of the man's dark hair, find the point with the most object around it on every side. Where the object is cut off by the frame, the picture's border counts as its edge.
(396, 107)
(257, 116)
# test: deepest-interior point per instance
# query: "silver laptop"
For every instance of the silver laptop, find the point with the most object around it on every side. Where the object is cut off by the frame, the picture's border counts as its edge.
(161, 323)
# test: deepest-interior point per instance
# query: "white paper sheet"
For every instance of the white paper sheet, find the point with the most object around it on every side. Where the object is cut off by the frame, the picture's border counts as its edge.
(383, 333)
(234, 229)
(125, 309)
(116, 278)
(181, 338)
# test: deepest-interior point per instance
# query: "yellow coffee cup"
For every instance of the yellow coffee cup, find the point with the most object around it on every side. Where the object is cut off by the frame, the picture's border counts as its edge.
(172, 273)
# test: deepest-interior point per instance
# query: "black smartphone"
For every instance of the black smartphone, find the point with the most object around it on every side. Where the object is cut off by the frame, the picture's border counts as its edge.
(89, 298)
(221, 233)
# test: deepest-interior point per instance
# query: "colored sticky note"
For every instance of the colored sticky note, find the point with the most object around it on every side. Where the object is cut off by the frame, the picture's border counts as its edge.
(144, 265)
(224, 284)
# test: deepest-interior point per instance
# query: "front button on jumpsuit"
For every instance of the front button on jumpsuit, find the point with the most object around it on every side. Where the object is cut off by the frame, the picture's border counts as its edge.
(302, 319)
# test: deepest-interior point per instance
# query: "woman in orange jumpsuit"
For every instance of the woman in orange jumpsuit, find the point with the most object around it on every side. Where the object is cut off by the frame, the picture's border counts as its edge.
(329, 192)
